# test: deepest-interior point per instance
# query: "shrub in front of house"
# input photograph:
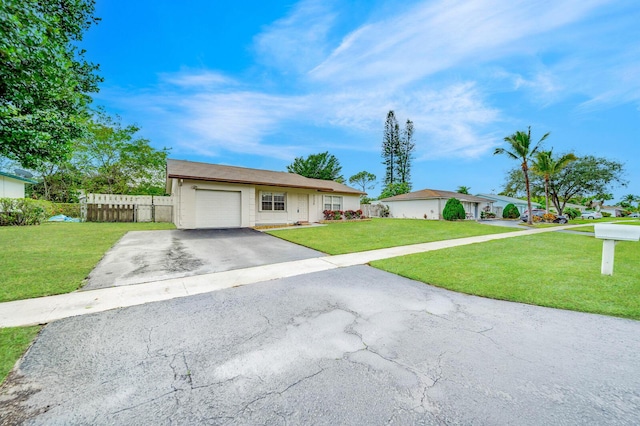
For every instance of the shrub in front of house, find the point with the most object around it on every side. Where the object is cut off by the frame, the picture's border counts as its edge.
(332, 214)
(549, 217)
(605, 214)
(21, 212)
(453, 210)
(353, 214)
(571, 213)
(510, 212)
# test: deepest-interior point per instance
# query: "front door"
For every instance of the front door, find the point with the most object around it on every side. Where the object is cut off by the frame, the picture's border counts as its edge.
(303, 208)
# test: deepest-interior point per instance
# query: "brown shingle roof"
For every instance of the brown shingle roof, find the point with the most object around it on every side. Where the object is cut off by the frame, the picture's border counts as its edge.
(230, 174)
(427, 194)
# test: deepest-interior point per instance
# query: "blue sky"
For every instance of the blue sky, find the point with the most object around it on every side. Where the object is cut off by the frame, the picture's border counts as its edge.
(257, 83)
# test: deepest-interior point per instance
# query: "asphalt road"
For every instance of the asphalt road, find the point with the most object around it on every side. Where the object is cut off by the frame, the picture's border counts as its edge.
(144, 256)
(347, 346)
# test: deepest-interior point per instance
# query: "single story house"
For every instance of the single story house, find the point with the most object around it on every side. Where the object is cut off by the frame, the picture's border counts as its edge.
(12, 186)
(429, 204)
(615, 211)
(216, 196)
(501, 201)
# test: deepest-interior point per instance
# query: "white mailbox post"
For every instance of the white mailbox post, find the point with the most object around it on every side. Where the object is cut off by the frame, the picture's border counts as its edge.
(611, 234)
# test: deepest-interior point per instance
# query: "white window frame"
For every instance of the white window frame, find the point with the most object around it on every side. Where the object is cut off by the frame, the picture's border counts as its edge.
(273, 201)
(331, 201)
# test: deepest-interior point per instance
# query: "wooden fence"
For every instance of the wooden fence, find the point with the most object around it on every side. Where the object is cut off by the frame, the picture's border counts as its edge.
(126, 208)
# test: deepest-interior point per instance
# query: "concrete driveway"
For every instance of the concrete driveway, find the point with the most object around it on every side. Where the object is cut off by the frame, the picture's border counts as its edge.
(348, 346)
(144, 256)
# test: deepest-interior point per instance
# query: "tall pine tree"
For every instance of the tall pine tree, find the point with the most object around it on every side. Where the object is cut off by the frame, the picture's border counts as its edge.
(405, 154)
(390, 147)
(397, 151)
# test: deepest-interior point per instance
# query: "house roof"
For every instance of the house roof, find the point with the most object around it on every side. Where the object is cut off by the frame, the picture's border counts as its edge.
(182, 169)
(428, 194)
(20, 178)
(506, 199)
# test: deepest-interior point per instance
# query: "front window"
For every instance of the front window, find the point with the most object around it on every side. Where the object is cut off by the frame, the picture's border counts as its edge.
(273, 201)
(332, 202)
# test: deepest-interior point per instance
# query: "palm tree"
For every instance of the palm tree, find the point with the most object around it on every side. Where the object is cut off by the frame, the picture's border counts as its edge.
(630, 198)
(547, 167)
(522, 151)
(463, 190)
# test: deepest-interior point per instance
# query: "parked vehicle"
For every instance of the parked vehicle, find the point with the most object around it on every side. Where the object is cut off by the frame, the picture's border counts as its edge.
(539, 213)
(634, 215)
(592, 215)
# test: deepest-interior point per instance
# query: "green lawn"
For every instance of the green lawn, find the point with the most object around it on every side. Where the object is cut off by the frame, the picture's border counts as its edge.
(52, 258)
(13, 343)
(351, 237)
(55, 258)
(556, 270)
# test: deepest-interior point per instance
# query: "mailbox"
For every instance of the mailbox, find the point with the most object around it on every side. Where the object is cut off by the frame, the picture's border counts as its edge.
(617, 232)
(611, 234)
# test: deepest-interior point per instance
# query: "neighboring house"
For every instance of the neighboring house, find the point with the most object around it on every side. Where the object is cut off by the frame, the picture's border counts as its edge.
(429, 203)
(615, 211)
(12, 186)
(579, 207)
(215, 196)
(501, 201)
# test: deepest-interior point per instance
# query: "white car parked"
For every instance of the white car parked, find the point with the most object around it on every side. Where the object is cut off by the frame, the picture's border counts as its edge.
(592, 215)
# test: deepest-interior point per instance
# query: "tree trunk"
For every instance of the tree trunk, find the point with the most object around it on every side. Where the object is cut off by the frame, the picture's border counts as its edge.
(546, 193)
(526, 184)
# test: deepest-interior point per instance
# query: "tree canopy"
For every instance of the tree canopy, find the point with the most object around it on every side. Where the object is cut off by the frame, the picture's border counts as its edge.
(110, 158)
(317, 166)
(44, 79)
(586, 177)
(363, 180)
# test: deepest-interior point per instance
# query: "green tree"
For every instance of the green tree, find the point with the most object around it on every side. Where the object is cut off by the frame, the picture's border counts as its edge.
(113, 160)
(405, 153)
(318, 166)
(363, 180)
(44, 79)
(463, 190)
(394, 189)
(629, 199)
(586, 176)
(547, 166)
(580, 181)
(521, 150)
(390, 148)
(453, 210)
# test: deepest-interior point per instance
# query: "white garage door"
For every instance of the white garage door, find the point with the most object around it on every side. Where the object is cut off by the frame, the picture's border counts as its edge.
(218, 209)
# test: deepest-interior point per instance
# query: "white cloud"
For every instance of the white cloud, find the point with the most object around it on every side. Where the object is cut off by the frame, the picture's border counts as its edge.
(434, 36)
(297, 42)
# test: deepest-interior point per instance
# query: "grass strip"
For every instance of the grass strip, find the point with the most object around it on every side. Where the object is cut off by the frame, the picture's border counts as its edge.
(351, 237)
(556, 270)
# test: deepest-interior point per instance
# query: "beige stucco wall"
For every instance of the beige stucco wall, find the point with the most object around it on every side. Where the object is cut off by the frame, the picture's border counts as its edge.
(11, 188)
(184, 207)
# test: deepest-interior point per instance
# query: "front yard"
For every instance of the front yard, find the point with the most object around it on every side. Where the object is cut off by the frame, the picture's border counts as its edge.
(52, 258)
(556, 270)
(351, 237)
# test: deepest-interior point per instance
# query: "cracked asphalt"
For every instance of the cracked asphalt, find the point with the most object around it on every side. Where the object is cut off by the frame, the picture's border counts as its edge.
(348, 346)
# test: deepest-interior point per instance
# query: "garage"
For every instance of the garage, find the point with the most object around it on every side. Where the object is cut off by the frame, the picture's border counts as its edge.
(218, 209)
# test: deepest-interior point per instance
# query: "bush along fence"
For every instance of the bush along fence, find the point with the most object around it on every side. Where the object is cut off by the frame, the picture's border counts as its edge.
(126, 208)
(21, 212)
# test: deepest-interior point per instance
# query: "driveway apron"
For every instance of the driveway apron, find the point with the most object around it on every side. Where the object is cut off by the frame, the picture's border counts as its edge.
(145, 256)
(347, 346)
